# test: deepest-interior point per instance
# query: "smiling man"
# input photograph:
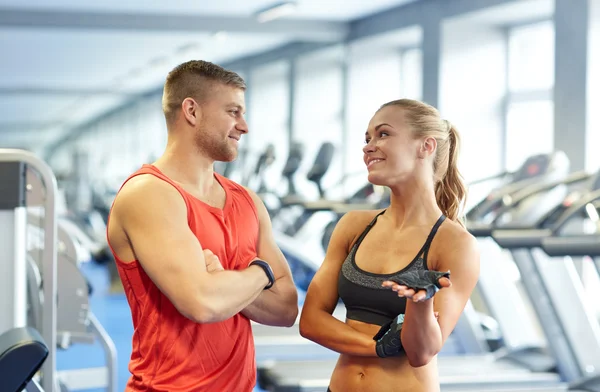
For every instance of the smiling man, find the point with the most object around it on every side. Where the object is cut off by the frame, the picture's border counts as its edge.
(194, 250)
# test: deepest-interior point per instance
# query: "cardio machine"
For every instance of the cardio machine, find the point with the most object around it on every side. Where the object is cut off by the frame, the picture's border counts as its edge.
(22, 354)
(28, 184)
(524, 201)
(553, 283)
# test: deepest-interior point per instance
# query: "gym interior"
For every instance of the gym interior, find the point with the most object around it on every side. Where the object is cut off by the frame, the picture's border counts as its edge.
(80, 104)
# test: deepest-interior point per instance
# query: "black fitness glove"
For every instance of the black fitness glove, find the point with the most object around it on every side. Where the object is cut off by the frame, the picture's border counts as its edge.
(421, 280)
(388, 339)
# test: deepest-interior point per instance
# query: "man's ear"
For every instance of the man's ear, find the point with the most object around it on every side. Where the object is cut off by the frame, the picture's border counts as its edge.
(428, 147)
(191, 111)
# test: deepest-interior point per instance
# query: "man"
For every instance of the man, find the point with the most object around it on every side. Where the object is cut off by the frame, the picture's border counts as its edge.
(194, 250)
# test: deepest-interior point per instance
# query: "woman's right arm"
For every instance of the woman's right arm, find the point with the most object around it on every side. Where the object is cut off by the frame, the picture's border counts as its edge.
(316, 321)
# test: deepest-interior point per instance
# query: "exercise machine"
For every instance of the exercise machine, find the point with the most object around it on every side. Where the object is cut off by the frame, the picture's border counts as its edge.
(572, 331)
(13, 226)
(28, 184)
(76, 323)
(22, 354)
(536, 188)
(290, 168)
(256, 179)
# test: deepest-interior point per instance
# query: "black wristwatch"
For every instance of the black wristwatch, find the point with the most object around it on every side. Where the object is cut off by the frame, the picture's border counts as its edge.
(267, 268)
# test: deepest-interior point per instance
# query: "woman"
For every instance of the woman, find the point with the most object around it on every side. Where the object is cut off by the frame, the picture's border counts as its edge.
(413, 152)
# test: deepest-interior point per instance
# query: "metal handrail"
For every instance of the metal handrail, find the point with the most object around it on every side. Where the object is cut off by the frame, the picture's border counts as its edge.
(48, 259)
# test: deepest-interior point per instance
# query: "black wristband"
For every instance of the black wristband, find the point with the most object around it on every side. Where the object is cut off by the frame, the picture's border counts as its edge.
(267, 268)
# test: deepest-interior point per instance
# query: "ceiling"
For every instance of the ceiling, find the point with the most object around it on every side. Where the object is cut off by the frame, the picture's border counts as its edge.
(65, 62)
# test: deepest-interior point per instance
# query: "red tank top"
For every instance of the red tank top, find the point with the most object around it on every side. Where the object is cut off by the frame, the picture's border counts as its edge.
(171, 353)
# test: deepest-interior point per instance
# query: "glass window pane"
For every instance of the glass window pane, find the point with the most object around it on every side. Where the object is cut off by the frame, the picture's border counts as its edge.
(411, 71)
(593, 93)
(371, 83)
(531, 57)
(317, 117)
(268, 101)
(529, 131)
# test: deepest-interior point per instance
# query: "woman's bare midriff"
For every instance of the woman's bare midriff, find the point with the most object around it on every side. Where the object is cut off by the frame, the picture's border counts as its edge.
(372, 374)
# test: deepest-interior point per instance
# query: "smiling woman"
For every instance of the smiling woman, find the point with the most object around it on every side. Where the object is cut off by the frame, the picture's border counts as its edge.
(417, 130)
(395, 329)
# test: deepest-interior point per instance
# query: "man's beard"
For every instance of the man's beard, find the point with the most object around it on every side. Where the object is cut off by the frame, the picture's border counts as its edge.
(217, 150)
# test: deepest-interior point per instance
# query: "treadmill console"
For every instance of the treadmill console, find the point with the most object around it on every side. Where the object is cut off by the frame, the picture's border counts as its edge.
(534, 166)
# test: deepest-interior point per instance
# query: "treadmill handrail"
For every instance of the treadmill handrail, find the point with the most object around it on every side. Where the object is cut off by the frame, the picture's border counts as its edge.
(520, 238)
(574, 209)
(572, 245)
(515, 187)
(491, 178)
(333, 205)
(536, 188)
(533, 189)
(498, 195)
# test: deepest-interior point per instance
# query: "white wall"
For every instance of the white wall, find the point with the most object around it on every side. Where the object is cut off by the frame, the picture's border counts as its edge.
(593, 88)
(472, 87)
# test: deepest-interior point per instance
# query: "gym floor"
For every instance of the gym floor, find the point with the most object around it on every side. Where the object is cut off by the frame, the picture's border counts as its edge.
(112, 311)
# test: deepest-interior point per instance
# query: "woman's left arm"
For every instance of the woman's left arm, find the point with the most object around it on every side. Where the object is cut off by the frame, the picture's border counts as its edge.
(422, 335)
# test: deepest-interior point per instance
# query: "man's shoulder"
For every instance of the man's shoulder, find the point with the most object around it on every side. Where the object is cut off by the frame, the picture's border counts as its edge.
(145, 191)
(146, 184)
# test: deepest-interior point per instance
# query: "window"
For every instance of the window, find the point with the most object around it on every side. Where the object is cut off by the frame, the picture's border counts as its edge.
(529, 131)
(531, 57)
(317, 116)
(593, 93)
(371, 83)
(268, 101)
(411, 70)
(529, 106)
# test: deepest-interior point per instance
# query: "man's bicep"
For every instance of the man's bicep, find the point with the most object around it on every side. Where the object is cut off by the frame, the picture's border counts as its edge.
(463, 264)
(156, 226)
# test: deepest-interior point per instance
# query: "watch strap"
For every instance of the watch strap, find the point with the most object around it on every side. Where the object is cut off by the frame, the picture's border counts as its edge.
(268, 271)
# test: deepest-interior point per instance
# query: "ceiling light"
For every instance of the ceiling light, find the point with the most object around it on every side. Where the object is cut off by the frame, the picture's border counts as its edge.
(220, 35)
(276, 11)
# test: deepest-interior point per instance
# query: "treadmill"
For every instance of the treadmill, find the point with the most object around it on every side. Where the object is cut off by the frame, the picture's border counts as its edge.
(530, 201)
(572, 331)
(574, 245)
(467, 372)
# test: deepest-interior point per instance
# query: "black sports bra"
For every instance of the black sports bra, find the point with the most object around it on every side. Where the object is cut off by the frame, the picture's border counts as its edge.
(361, 291)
